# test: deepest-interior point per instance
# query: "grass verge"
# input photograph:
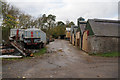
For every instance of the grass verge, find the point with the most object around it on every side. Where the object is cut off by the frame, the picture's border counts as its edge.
(41, 52)
(110, 54)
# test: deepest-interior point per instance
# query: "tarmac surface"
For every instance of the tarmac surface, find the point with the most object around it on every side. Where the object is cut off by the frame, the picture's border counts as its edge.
(62, 60)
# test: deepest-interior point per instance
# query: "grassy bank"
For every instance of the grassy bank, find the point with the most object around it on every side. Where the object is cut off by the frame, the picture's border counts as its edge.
(42, 51)
(110, 54)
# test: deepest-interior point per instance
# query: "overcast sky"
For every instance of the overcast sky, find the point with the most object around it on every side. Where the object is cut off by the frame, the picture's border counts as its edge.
(69, 9)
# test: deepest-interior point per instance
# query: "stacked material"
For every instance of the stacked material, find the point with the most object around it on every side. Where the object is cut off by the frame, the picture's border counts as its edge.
(10, 56)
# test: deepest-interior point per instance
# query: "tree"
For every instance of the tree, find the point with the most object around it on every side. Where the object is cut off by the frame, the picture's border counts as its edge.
(58, 30)
(42, 21)
(24, 20)
(10, 21)
(71, 23)
(13, 17)
(51, 20)
(68, 23)
(60, 23)
(10, 15)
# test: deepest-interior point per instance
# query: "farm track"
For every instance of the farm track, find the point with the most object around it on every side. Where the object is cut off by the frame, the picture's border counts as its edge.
(62, 60)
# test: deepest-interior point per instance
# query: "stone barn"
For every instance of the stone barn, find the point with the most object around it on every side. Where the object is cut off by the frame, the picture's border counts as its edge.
(77, 42)
(81, 28)
(73, 34)
(101, 36)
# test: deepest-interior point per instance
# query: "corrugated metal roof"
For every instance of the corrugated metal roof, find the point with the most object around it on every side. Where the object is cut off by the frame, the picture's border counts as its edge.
(32, 29)
(103, 27)
(82, 28)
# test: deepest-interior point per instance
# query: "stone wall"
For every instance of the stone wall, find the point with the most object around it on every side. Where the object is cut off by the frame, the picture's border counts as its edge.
(102, 44)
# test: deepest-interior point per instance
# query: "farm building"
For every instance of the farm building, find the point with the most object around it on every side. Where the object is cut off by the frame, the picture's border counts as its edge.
(101, 36)
(68, 33)
(73, 34)
(0, 35)
(77, 40)
(79, 35)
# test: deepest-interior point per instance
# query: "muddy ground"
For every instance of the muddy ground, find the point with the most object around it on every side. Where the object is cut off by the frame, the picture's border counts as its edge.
(62, 60)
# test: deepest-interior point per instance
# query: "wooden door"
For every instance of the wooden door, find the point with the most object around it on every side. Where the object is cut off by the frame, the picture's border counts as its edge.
(84, 41)
(73, 38)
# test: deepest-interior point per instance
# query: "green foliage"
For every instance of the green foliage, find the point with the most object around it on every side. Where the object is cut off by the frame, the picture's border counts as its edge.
(13, 17)
(5, 33)
(25, 20)
(10, 14)
(58, 30)
(68, 23)
(60, 23)
(42, 51)
(10, 21)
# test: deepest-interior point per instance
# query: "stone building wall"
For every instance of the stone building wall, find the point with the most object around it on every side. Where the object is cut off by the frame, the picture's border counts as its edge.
(102, 44)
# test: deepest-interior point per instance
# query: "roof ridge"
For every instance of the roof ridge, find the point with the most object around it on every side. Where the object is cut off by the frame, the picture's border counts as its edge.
(104, 20)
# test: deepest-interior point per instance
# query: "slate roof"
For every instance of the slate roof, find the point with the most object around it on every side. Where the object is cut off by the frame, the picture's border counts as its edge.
(102, 27)
(73, 28)
(82, 25)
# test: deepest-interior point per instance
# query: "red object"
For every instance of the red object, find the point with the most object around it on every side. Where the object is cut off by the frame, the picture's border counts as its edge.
(88, 32)
(35, 43)
(31, 43)
(31, 34)
(17, 31)
(32, 40)
(17, 34)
